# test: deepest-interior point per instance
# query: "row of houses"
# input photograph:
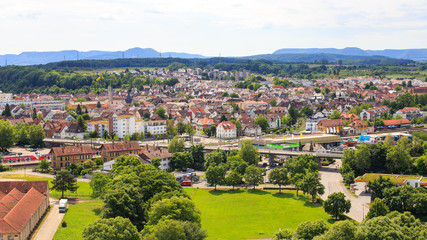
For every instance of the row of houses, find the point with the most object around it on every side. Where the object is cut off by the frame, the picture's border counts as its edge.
(62, 157)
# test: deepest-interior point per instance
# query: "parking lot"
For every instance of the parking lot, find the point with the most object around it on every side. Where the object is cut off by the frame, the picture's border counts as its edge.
(21, 151)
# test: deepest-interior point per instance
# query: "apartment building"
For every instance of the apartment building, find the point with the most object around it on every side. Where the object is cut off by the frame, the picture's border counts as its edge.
(113, 150)
(62, 157)
(123, 125)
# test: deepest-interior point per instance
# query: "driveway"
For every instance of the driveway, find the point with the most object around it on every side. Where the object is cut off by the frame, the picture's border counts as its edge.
(53, 219)
(333, 182)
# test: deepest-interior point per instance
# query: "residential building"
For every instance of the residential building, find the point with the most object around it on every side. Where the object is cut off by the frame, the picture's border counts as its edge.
(100, 126)
(23, 204)
(332, 126)
(123, 125)
(149, 152)
(111, 151)
(226, 130)
(62, 157)
(5, 97)
(372, 113)
(409, 113)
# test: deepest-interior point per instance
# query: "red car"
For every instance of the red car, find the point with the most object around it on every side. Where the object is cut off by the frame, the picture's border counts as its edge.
(186, 183)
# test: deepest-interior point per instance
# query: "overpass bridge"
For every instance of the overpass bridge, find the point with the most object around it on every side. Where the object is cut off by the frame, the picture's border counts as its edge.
(226, 147)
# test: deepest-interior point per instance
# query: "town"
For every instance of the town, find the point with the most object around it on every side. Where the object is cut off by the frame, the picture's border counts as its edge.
(212, 128)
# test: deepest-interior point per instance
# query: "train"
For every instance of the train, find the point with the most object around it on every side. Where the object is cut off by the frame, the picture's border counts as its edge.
(11, 160)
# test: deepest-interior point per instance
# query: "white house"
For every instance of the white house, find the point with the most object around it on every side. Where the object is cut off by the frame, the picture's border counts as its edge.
(226, 130)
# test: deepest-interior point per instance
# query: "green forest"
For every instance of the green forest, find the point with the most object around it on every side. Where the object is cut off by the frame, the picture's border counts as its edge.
(78, 76)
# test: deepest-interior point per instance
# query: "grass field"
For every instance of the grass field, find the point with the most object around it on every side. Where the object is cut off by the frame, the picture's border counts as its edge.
(84, 192)
(78, 216)
(252, 214)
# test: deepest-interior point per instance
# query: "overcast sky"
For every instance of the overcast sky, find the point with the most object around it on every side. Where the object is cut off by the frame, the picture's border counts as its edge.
(211, 27)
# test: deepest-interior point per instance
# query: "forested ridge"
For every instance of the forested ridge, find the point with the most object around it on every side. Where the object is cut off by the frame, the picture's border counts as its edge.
(68, 76)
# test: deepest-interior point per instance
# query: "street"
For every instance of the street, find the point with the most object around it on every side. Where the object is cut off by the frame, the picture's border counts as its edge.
(333, 182)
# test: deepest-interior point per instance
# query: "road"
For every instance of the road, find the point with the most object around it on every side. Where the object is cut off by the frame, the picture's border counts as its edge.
(53, 219)
(333, 182)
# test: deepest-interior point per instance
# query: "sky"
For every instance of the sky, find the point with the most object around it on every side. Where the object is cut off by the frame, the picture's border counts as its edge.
(211, 27)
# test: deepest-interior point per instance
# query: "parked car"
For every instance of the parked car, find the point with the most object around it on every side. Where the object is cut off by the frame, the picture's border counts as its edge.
(186, 183)
(32, 149)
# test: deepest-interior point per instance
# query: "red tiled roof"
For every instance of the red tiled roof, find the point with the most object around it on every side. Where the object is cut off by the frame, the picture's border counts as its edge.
(71, 150)
(122, 146)
(396, 122)
(227, 125)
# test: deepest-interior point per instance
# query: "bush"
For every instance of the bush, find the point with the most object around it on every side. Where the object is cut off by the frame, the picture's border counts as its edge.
(64, 224)
(5, 168)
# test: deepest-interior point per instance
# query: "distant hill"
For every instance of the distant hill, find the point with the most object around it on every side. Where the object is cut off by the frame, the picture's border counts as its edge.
(35, 58)
(331, 58)
(413, 54)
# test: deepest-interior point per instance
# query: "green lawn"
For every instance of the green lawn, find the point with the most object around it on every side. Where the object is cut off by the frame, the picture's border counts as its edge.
(252, 214)
(84, 192)
(78, 216)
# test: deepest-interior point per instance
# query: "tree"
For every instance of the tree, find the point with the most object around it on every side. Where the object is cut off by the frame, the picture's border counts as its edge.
(280, 177)
(111, 229)
(79, 110)
(36, 135)
(294, 113)
(336, 204)
(248, 152)
(64, 181)
(171, 229)
(44, 165)
(98, 184)
(253, 175)
(6, 112)
(155, 162)
(306, 111)
(343, 230)
(21, 133)
(283, 234)
(34, 115)
(399, 198)
(234, 95)
(105, 134)
(81, 122)
(181, 160)
(311, 184)
(273, 102)
(310, 229)
(262, 122)
(161, 112)
(198, 156)
(180, 126)
(98, 105)
(398, 159)
(335, 115)
(190, 131)
(215, 175)
(7, 135)
(215, 158)
(176, 208)
(378, 186)
(234, 178)
(377, 208)
(388, 141)
(176, 145)
(93, 134)
(223, 118)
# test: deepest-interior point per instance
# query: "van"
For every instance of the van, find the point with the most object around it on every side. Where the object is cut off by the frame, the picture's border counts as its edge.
(63, 204)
